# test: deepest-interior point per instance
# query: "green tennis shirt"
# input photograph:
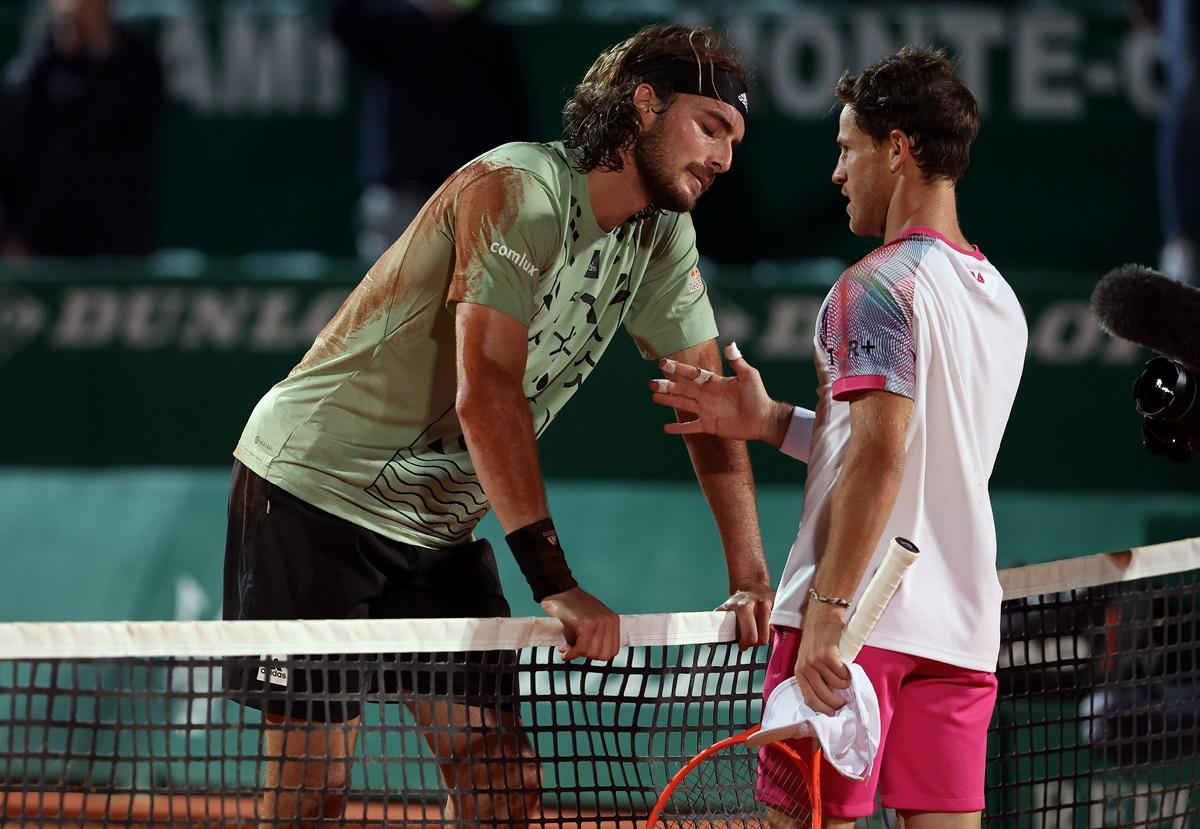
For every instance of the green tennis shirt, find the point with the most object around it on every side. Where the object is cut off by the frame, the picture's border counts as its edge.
(365, 427)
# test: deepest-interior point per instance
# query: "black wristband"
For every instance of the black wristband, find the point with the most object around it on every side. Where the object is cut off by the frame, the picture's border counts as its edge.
(535, 547)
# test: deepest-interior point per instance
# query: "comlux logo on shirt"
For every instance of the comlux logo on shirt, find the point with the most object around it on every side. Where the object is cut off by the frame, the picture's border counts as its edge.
(518, 259)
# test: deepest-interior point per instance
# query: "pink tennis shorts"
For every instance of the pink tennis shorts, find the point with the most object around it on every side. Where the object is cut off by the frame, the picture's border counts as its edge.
(934, 719)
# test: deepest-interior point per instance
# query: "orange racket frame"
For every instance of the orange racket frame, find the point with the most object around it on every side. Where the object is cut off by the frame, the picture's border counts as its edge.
(810, 768)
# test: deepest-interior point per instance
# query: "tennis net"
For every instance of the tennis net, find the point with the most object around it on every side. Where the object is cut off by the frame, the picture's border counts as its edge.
(163, 724)
(134, 722)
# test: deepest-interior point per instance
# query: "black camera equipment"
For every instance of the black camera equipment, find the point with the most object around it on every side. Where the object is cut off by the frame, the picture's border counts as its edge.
(1138, 304)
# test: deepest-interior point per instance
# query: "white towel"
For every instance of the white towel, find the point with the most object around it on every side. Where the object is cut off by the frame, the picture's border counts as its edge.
(849, 738)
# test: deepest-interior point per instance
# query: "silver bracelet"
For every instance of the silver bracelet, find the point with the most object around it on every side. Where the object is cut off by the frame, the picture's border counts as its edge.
(833, 600)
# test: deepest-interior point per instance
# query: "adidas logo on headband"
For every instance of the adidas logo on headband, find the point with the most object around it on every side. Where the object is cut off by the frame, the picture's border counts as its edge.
(699, 79)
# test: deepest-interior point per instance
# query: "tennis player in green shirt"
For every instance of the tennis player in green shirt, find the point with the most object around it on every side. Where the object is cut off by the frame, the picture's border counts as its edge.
(361, 476)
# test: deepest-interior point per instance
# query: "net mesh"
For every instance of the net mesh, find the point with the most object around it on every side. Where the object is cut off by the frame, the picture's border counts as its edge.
(1096, 722)
(486, 737)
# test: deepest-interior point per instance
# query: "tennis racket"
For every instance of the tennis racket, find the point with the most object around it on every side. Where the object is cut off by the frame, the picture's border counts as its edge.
(901, 555)
(733, 785)
(754, 779)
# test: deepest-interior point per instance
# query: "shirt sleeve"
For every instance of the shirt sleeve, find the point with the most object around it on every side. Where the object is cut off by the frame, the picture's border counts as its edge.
(670, 310)
(867, 332)
(506, 235)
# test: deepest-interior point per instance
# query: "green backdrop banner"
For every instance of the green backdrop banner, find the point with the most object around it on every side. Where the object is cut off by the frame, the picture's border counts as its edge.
(259, 148)
(106, 366)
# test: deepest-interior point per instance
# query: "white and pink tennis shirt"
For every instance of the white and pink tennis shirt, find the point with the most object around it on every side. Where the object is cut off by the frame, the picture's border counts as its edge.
(921, 318)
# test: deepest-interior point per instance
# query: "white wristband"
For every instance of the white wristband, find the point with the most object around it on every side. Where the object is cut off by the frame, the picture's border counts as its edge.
(797, 441)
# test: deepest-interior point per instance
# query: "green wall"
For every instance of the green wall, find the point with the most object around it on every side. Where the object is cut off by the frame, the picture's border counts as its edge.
(125, 385)
(147, 543)
(259, 143)
(119, 365)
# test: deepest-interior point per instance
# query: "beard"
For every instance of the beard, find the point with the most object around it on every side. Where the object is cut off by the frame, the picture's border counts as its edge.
(873, 191)
(652, 157)
(869, 216)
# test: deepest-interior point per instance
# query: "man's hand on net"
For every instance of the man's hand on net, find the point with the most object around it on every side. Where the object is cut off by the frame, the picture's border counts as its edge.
(752, 607)
(591, 629)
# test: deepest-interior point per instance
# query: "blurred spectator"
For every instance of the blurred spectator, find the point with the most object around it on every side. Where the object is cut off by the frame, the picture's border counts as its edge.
(1178, 166)
(443, 85)
(79, 115)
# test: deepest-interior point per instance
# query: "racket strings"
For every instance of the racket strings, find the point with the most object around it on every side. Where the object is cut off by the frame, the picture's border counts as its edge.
(733, 790)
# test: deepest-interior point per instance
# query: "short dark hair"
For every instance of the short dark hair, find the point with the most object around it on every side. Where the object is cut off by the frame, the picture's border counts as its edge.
(916, 91)
(601, 119)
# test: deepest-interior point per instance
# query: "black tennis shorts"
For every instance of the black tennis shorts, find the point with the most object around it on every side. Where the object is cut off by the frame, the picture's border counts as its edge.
(286, 559)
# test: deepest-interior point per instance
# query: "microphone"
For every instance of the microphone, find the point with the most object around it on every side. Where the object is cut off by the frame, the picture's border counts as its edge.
(1139, 304)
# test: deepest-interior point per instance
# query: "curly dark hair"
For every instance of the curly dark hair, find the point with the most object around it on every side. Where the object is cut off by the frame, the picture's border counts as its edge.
(916, 91)
(601, 118)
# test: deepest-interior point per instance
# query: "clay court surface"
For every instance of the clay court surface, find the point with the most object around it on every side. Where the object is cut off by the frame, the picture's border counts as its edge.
(101, 811)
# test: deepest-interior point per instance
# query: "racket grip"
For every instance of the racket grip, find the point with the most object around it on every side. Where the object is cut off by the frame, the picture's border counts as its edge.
(901, 555)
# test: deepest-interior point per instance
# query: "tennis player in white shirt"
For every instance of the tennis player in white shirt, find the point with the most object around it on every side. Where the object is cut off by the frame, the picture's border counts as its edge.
(919, 351)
